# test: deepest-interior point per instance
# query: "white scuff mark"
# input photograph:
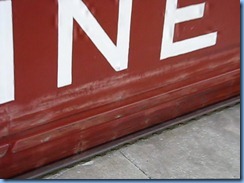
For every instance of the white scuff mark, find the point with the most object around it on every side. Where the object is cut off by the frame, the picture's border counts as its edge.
(46, 139)
(88, 163)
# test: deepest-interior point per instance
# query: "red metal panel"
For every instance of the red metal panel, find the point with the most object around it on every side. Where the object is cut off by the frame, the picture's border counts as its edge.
(46, 123)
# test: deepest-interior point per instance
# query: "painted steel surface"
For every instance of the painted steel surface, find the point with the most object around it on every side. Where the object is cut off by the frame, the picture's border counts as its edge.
(75, 74)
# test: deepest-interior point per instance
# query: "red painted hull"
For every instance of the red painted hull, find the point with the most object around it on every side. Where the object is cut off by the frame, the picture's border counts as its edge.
(45, 124)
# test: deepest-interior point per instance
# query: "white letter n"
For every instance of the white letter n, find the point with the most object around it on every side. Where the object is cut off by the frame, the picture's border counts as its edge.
(174, 16)
(116, 55)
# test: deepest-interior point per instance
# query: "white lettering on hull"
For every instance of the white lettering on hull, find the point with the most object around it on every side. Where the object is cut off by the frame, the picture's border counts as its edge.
(117, 56)
(6, 53)
(174, 16)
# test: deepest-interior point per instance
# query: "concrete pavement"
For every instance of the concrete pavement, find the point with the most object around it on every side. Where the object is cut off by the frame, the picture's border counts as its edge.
(206, 148)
